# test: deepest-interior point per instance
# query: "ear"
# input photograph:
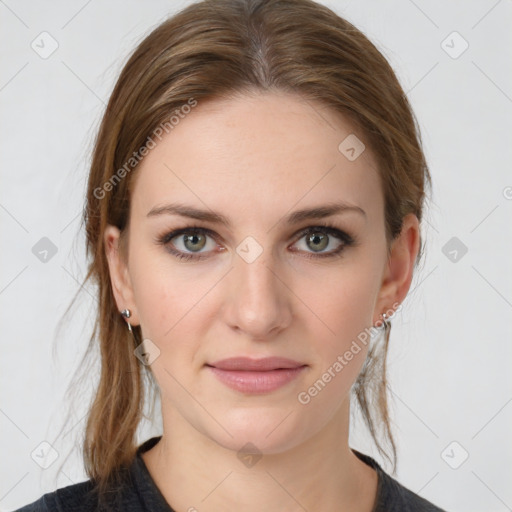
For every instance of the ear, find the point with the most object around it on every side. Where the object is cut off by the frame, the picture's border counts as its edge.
(119, 275)
(398, 273)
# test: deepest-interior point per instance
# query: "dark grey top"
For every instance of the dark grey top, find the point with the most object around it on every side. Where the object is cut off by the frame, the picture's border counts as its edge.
(140, 493)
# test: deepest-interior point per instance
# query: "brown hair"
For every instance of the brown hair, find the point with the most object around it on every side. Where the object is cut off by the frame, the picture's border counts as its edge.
(216, 49)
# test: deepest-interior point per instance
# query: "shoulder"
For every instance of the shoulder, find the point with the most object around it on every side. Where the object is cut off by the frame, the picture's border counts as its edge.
(127, 493)
(392, 495)
(395, 496)
(80, 497)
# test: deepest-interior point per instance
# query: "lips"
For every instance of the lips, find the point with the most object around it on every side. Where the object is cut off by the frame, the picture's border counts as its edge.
(256, 376)
(256, 365)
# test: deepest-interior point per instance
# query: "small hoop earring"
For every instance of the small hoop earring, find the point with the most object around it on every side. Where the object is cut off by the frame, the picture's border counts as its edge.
(127, 314)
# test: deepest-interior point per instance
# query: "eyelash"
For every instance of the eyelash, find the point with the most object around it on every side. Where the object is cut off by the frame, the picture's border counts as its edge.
(326, 228)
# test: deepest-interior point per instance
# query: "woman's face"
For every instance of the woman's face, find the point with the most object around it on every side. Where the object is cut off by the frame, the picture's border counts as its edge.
(257, 286)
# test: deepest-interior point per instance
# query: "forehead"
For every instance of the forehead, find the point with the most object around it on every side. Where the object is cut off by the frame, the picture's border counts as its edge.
(260, 154)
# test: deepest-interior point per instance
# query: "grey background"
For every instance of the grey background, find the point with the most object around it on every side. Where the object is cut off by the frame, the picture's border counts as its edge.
(449, 361)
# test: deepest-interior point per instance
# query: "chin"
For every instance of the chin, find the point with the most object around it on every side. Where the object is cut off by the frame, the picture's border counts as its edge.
(269, 432)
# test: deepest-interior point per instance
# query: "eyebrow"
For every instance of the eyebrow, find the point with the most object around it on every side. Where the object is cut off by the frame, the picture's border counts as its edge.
(317, 212)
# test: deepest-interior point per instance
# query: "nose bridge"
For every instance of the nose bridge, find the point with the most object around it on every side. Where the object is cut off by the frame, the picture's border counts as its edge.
(259, 297)
(258, 274)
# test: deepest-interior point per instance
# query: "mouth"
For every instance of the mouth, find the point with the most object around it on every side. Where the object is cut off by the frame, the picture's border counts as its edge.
(256, 376)
(262, 365)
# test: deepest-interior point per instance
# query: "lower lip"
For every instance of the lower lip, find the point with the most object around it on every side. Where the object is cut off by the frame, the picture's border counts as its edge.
(256, 382)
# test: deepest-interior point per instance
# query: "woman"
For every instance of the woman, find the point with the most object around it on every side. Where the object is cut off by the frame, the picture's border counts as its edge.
(275, 138)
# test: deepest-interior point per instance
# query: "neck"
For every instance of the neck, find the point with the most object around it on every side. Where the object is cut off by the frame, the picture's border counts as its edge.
(193, 472)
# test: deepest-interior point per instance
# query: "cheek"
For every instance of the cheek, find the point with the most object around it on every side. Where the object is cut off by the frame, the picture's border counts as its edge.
(169, 296)
(341, 299)
(345, 307)
(158, 295)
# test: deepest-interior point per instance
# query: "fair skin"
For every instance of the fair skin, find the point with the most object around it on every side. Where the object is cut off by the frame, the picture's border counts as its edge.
(256, 159)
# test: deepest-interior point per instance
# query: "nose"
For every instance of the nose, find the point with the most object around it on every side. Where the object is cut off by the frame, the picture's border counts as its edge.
(259, 299)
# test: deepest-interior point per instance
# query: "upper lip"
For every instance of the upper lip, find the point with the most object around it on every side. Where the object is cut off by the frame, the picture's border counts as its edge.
(246, 363)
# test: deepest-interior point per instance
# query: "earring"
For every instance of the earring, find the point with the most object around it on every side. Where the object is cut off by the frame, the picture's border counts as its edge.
(385, 319)
(127, 314)
(387, 330)
(386, 324)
